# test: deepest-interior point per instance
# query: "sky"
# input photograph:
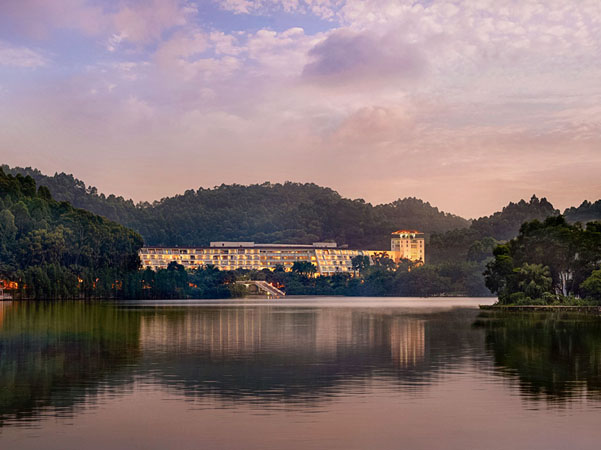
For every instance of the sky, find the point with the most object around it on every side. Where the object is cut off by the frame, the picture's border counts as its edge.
(465, 104)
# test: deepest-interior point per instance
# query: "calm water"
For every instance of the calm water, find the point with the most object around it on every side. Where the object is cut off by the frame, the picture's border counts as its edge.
(297, 374)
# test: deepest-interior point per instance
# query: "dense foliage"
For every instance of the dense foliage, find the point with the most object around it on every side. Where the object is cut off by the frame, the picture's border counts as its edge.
(267, 213)
(56, 251)
(175, 282)
(548, 262)
(44, 255)
(476, 243)
(384, 278)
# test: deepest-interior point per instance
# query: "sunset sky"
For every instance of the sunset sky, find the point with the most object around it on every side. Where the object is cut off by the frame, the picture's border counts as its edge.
(465, 104)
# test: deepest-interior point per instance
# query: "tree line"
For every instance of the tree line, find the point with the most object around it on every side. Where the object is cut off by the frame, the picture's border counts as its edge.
(55, 251)
(268, 213)
(379, 278)
(304, 213)
(549, 262)
(58, 251)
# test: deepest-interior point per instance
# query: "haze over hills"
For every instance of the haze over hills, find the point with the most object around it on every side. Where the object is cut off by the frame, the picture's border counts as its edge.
(302, 213)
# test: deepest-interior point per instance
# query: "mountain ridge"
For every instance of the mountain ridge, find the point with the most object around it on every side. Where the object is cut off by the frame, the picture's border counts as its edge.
(295, 212)
(267, 212)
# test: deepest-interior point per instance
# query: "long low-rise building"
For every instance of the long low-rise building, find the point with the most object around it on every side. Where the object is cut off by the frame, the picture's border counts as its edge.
(327, 257)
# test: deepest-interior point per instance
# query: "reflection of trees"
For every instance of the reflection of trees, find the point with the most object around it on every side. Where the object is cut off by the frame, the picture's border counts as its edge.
(55, 354)
(276, 353)
(555, 356)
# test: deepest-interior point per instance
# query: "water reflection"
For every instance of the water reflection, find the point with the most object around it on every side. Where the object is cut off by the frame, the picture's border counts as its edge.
(56, 358)
(555, 357)
(301, 355)
(57, 355)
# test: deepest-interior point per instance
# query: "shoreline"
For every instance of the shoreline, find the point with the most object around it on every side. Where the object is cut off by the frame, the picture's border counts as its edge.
(545, 308)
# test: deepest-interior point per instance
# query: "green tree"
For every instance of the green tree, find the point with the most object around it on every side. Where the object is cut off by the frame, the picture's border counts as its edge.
(592, 285)
(534, 280)
(360, 263)
(56, 251)
(383, 260)
(267, 212)
(551, 257)
(304, 268)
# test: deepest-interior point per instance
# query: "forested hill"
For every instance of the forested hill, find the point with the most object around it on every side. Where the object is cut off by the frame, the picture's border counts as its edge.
(56, 251)
(586, 212)
(477, 242)
(283, 213)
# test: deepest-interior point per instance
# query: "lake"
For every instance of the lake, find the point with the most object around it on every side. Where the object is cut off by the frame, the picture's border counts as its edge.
(297, 373)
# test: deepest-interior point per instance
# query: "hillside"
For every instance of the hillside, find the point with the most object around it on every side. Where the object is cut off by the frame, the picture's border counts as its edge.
(476, 242)
(269, 213)
(303, 213)
(457, 253)
(586, 212)
(56, 251)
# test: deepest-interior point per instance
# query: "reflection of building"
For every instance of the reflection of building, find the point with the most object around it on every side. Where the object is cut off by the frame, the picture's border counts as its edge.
(4, 306)
(325, 256)
(407, 342)
(329, 334)
(220, 332)
(408, 244)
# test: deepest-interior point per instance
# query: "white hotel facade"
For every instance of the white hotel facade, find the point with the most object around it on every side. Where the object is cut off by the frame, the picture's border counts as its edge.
(327, 257)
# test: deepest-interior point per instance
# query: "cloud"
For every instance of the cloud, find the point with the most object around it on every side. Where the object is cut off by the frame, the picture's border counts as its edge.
(189, 61)
(225, 44)
(136, 21)
(454, 95)
(279, 55)
(180, 48)
(347, 57)
(39, 18)
(372, 127)
(324, 9)
(146, 21)
(238, 6)
(139, 110)
(20, 57)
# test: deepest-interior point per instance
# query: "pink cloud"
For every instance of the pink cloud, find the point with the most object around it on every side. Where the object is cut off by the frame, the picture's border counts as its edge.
(145, 21)
(39, 18)
(347, 57)
(435, 99)
(373, 126)
(137, 21)
(16, 56)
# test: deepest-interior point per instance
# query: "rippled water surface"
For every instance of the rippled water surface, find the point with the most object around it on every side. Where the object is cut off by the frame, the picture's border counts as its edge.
(325, 373)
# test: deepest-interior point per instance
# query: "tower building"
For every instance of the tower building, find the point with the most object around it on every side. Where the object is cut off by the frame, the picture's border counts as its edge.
(408, 244)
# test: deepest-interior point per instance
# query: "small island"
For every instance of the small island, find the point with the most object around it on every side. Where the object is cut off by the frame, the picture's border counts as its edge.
(550, 265)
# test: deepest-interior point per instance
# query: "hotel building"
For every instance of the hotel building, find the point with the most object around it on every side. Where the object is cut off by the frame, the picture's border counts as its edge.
(327, 257)
(408, 244)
